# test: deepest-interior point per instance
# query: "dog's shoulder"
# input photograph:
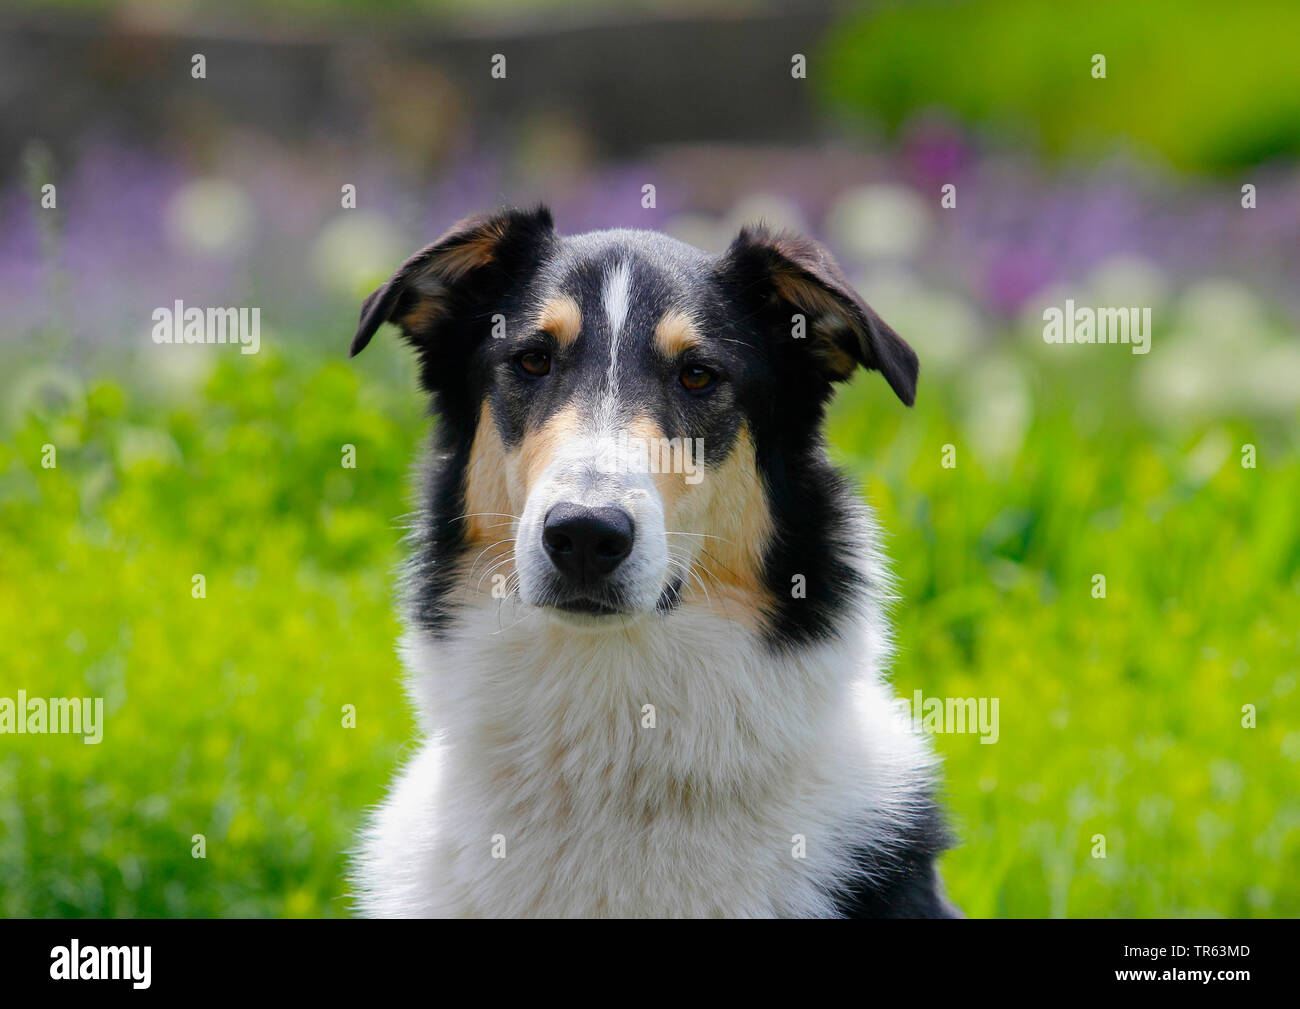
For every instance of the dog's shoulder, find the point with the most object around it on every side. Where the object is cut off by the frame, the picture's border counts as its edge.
(900, 880)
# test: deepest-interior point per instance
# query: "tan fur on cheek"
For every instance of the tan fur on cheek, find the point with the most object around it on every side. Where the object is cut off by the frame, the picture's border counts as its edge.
(739, 515)
(671, 486)
(728, 511)
(536, 452)
(488, 526)
(497, 482)
(497, 485)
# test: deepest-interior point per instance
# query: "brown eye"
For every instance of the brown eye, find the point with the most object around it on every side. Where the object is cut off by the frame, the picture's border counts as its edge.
(695, 378)
(535, 362)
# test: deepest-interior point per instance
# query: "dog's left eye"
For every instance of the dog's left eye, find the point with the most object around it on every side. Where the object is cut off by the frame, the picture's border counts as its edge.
(535, 362)
(694, 378)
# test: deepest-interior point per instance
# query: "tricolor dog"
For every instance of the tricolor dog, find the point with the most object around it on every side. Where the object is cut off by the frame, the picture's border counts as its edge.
(646, 628)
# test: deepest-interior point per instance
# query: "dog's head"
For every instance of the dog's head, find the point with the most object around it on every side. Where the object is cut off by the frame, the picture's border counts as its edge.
(626, 421)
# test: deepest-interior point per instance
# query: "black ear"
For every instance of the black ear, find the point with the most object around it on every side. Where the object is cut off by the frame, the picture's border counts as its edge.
(472, 259)
(841, 329)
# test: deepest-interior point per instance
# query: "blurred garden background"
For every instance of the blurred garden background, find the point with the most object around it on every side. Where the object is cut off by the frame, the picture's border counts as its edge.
(1120, 716)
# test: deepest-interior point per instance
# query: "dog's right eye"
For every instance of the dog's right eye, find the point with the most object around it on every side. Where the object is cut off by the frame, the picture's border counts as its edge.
(534, 362)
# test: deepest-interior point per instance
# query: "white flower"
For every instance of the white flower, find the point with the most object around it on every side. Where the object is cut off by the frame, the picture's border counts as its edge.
(1222, 358)
(1220, 305)
(1125, 281)
(356, 252)
(210, 217)
(880, 221)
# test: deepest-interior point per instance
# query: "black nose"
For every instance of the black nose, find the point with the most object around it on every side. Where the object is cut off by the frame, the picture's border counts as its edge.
(586, 544)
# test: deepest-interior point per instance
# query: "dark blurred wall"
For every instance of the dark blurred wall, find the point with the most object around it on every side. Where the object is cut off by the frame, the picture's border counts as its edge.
(621, 83)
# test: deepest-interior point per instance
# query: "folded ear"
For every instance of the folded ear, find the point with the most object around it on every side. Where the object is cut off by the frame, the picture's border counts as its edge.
(469, 262)
(841, 329)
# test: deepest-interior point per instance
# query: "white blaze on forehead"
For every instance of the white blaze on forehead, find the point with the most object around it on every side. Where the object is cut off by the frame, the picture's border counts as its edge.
(616, 299)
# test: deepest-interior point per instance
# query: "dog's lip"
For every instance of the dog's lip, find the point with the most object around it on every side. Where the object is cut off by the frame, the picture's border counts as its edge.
(587, 606)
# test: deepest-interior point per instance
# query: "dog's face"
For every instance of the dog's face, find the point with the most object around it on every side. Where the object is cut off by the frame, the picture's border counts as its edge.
(624, 417)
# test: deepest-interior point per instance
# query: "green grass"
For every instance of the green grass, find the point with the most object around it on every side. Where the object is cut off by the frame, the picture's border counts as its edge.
(1209, 87)
(1119, 717)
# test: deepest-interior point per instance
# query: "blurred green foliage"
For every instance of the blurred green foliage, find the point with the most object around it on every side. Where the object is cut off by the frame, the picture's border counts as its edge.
(1119, 716)
(224, 715)
(1207, 85)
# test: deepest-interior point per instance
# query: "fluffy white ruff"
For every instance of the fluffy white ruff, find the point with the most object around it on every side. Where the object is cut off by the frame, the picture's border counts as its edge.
(533, 733)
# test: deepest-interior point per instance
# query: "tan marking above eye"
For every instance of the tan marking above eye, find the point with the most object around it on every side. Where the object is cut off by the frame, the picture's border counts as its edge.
(562, 318)
(676, 332)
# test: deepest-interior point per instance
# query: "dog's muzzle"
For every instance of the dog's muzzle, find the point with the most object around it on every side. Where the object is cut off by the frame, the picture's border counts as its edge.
(586, 545)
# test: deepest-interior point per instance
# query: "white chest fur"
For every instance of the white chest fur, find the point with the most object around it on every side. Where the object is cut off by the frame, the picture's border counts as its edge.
(545, 785)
